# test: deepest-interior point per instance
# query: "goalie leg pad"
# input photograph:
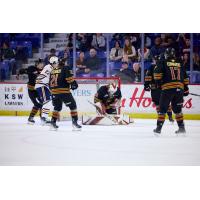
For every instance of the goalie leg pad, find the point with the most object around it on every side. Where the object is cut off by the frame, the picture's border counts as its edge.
(105, 120)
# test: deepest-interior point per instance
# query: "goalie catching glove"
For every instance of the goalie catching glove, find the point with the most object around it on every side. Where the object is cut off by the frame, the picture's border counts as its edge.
(147, 87)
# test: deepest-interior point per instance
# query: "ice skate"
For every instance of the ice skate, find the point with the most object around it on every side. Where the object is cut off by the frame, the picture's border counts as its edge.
(45, 121)
(171, 119)
(31, 121)
(76, 126)
(181, 130)
(157, 131)
(53, 126)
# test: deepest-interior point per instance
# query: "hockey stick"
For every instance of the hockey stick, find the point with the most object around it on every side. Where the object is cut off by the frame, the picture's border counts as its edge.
(105, 115)
(194, 94)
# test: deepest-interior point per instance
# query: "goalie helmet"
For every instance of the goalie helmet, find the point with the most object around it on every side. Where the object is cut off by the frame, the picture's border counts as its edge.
(112, 88)
(53, 60)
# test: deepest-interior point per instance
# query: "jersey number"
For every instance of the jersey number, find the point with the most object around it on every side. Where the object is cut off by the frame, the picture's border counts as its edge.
(175, 76)
(54, 80)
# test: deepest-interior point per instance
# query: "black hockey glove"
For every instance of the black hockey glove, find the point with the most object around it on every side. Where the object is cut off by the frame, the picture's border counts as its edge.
(74, 85)
(186, 91)
(147, 87)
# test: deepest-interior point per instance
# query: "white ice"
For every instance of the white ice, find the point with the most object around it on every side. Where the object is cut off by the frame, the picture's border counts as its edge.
(23, 144)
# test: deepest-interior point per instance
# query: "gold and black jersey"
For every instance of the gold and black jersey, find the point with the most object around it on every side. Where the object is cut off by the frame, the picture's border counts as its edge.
(149, 79)
(32, 72)
(60, 80)
(170, 74)
(104, 97)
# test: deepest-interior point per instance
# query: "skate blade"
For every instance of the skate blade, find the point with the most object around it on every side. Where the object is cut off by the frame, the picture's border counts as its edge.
(45, 124)
(180, 134)
(76, 129)
(30, 123)
(157, 134)
(53, 129)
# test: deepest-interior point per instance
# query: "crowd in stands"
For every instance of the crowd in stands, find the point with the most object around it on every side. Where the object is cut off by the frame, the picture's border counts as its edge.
(15, 49)
(124, 53)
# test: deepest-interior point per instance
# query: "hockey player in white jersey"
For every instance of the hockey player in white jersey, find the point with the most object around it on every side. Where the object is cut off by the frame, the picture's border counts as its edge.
(42, 88)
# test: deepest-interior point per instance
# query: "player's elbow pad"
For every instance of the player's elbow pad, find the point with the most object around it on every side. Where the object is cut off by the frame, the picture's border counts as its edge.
(74, 85)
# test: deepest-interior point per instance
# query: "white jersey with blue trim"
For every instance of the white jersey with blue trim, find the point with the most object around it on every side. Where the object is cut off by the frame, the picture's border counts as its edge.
(44, 76)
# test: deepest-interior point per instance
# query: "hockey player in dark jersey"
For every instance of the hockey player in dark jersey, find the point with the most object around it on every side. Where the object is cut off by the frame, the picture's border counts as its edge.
(61, 82)
(108, 99)
(150, 85)
(33, 71)
(172, 77)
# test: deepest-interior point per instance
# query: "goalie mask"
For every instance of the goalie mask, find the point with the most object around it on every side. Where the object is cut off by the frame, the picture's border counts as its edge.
(112, 88)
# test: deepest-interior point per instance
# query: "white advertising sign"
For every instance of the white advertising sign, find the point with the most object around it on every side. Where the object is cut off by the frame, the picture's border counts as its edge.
(135, 99)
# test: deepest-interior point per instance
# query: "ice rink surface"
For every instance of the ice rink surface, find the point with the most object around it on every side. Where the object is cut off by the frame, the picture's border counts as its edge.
(23, 144)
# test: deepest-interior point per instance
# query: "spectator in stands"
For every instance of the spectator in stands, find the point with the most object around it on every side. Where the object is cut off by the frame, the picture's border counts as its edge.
(116, 37)
(147, 62)
(129, 50)
(196, 62)
(157, 49)
(147, 41)
(186, 46)
(180, 39)
(66, 58)
(52, 53)
(116, 52)
(134, 39)
(6, 52)
(146, 54)
(126, 74)
(99, 42)
(186, 61)
(81, 64)
(82, 42)
(61, 53)
(70, 43)
(21, 58)
(93, 63)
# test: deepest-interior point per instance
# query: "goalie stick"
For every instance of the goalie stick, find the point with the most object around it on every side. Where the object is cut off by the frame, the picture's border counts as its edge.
(105, 115)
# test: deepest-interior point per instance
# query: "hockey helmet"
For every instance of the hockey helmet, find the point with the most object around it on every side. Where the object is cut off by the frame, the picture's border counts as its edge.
(53, 60)
(170, 53)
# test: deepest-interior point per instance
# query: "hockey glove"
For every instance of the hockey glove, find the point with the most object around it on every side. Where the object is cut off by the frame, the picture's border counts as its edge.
(186, 91)
(147, 88)
(74, 85)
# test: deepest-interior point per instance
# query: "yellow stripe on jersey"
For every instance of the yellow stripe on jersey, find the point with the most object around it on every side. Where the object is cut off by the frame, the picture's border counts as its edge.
(60, 90)
(148, 78)
(69, 79)
(172, 85)
(96, 100)
(30, 87)
(186, 81)
(158, 76)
